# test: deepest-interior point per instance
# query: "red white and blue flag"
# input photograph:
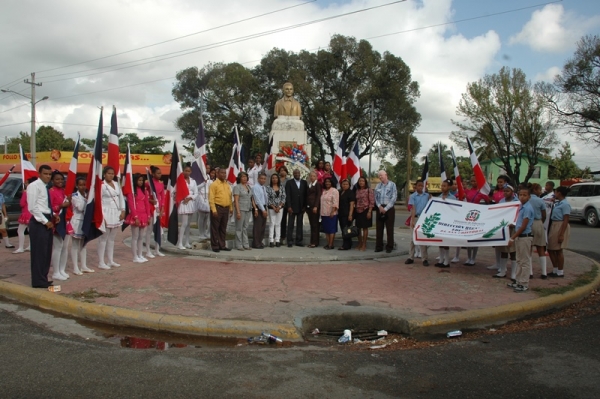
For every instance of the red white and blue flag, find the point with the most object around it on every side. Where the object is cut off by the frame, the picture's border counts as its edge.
(482, 183)
(177, 191)
(71, 179)
(459, 185)
(127, 184)
(441, 160)
(199, 173)
(5, 177)
(270, 156)
(353, 165)
(93, 218)
(113, 144)
(234, 163)
(425, 173)
(339, 161)
(27, 169)
(156, 214)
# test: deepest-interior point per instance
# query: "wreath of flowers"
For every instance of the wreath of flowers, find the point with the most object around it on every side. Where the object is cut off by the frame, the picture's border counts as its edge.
(295, 152)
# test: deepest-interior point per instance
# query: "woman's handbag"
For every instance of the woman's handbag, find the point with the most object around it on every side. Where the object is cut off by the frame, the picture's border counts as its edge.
(350, 231)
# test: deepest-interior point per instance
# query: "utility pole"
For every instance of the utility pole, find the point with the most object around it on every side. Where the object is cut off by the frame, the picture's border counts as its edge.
(371, 136)
(408, 167)
(32, 134)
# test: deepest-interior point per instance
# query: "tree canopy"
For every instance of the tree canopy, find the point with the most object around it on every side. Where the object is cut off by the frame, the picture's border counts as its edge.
(47, 139)
(337, 87)
(507, 118)
(144, 145)
(575, 95)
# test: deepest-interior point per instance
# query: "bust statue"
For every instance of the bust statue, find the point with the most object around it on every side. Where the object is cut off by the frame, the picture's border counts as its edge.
(287, 105)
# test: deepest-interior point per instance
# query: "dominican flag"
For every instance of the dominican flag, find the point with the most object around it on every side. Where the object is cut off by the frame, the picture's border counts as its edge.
(199, 172)
(339, 161)
(425, 174)
(239, 155)
(353, 165)
(441, 159)
(5, 177)
(127, 184)
(72, 178)
(113, 144)
(461, 189)
(177, 191)
(27, 169)
(482, 183)
(156, 213)
(93, 218)
(234, 163)
(270, 156)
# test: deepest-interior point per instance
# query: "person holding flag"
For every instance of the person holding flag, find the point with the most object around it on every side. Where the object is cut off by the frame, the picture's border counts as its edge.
(139, 215)
(156, 195)
(113, 210)
(23, 220)
(59, 201)
(78, 249)
(186, 208)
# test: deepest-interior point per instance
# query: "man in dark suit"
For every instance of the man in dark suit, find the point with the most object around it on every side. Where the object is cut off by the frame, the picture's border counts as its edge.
(295, 202)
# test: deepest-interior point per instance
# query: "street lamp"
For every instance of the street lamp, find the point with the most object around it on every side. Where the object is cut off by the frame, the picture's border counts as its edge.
(33, 103)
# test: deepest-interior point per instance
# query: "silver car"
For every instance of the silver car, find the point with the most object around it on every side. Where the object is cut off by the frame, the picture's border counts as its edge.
(584, 199)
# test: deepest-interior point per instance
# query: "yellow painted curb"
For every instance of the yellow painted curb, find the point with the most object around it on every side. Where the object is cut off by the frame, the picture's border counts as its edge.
(153, 321)
(479, 318)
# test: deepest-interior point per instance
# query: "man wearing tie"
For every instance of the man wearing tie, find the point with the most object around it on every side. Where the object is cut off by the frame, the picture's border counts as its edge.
(41, 227)
(295, 202)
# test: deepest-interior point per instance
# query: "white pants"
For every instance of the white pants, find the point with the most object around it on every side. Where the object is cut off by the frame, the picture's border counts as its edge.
(78, 253)
(106, 245)
(137, 240)
(275, 225)
(204, 225)
(59, 253)
(21, 234)
(150, 236)
(184, 229)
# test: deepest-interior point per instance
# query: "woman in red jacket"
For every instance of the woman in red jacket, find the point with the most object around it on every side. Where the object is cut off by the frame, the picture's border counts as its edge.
(139, 215)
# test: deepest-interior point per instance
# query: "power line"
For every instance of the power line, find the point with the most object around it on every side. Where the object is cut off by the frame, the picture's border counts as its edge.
(14, 124)
(179, 37)
(192, 50)
(18, 106)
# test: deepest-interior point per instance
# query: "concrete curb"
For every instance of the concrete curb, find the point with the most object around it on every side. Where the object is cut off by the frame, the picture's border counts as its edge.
(498, 315)
(242, 328)
(152, 321)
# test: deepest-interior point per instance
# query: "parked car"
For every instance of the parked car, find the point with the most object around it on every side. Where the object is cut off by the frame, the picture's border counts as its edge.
(12, 189)
(584, 199)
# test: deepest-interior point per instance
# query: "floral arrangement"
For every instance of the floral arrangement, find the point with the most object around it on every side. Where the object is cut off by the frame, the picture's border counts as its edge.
(295, 152)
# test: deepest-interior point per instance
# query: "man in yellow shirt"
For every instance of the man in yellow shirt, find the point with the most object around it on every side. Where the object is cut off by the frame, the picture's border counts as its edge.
(219, 199)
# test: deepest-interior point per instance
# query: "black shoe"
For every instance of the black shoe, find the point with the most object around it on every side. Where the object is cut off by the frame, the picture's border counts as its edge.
(425, 263)
(278, 245)
(10, 246)
(444, 266)
(271, 245)
(555, 275)
(543, 276)
(216, 250)
(290, 245)
(438, 264)
(388, 251)
(530, 276)
(225, 249)
(299, 245)
(379, 250)
(409, 261)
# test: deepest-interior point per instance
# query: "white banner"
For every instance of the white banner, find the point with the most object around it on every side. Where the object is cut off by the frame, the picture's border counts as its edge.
(463, 224)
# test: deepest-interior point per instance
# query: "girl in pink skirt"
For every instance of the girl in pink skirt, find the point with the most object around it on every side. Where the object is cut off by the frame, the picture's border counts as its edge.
(23, 221)
(139, 215)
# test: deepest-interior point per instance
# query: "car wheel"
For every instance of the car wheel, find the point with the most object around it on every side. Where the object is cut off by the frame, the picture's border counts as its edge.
(591, 217)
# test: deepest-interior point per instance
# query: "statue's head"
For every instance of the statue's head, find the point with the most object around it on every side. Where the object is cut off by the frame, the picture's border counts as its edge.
(288, 89)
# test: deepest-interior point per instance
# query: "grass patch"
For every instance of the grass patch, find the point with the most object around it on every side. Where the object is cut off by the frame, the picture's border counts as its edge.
(90, 295)
(585, 279)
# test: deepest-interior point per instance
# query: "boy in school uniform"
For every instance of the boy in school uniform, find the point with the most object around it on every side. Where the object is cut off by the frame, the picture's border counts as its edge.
(522, 239)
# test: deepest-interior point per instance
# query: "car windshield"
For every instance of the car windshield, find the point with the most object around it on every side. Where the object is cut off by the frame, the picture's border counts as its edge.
(10, 187)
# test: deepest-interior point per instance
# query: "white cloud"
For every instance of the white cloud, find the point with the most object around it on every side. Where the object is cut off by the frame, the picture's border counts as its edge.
(548, 75)
(551, 29)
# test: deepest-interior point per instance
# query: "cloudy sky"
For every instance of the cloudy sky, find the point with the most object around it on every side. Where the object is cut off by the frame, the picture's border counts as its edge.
(127, 52)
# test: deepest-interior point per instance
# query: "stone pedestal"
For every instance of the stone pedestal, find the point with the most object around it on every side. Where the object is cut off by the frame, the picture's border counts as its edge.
(289, 130)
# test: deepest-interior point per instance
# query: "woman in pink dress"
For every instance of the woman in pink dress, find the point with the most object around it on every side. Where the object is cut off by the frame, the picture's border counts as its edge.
(160, 204)
(23, 221)
(139, 217)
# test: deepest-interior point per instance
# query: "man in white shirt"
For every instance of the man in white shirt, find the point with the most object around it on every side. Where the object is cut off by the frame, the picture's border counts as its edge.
(255, 166)
(40, 228)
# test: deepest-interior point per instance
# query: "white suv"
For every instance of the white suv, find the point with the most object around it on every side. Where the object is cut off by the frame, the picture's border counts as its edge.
(584, 199)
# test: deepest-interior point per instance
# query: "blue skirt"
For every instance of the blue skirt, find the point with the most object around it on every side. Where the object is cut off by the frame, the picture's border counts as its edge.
(329, 224)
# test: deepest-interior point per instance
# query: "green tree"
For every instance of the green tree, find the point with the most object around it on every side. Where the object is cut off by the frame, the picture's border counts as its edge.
(563, 166)
(434, 163)
(575, 95)
(508, 121)
(226, 96)
(144, 145)
(47, 139)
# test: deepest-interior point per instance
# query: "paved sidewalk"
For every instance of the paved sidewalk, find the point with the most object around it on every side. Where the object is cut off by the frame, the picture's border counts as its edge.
(285, 292)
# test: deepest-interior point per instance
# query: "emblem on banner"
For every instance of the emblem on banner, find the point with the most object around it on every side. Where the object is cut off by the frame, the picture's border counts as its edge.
(473, 216)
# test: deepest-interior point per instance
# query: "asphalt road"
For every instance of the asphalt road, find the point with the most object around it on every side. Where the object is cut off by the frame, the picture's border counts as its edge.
(38, 362)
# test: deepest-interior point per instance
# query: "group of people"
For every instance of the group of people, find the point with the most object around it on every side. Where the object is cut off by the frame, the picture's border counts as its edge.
(281, 202)
(527, 234)
(55, 220)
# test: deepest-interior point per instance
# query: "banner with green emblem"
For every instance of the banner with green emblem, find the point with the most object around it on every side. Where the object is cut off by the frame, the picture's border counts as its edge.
(463, 224)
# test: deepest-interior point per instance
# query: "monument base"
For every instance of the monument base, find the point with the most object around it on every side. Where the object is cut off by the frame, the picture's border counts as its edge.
(290, 143)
